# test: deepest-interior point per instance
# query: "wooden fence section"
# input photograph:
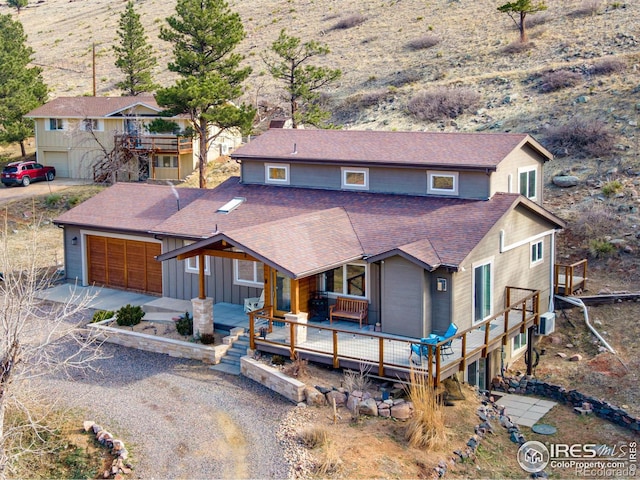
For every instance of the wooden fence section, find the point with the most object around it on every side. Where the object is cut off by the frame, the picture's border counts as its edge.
(390, 354)
(568, 279)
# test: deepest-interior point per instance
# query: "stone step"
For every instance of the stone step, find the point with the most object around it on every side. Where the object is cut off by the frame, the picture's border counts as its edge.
(229, 360)
(236, 353)
(231, 369)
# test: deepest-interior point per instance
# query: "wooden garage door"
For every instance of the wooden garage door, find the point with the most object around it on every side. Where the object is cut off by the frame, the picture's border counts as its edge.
(121, 263)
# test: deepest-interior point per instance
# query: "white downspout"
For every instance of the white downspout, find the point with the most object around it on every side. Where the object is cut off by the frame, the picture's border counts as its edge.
(579, 303)
(552, 261)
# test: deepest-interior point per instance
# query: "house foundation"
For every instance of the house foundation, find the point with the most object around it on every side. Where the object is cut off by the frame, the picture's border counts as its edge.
(202, 316)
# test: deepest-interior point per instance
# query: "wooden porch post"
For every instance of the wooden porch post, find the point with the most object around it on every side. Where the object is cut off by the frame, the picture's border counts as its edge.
(295, 296)
(268, 294)
(201, 293)
(530, 350)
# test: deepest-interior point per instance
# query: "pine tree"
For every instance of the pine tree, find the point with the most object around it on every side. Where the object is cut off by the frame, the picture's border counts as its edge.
(18, 4)
(518, 11)
(204, 34)
(21, 87)
(135, 56)
(302, 82)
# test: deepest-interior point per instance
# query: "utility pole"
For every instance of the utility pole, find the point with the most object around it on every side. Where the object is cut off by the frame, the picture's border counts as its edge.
(93, 54)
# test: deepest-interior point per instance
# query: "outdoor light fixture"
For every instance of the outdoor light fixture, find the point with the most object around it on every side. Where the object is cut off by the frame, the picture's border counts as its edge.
(74, 241)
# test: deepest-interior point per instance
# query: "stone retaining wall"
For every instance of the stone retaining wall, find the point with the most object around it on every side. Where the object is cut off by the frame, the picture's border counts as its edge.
(531, 386)
(273, 379)
(152, 343)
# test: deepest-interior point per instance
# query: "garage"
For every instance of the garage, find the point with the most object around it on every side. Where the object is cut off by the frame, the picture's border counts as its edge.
(124, 263)
(59, 160)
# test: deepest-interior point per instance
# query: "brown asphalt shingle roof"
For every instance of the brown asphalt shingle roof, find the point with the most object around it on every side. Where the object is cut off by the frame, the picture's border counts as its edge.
(302, 230)
(354, 147)
(129, 207)
(90, 107)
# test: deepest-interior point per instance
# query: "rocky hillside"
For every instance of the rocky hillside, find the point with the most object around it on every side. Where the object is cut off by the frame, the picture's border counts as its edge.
(575, 86)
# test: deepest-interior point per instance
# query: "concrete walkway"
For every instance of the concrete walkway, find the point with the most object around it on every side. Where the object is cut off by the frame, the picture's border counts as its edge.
(95, 297)
(524, 410)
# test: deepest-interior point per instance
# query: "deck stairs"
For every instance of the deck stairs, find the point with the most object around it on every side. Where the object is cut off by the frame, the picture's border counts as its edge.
(230, 363)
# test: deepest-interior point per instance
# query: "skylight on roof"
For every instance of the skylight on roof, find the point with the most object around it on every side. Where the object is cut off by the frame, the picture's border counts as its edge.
(231, 205)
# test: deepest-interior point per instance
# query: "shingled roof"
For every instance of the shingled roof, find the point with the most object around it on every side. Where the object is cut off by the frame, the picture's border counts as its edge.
(402, 149)
(91, 107)
(302, 231)
(130, 207)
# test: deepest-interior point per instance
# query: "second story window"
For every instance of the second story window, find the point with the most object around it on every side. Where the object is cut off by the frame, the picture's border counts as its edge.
(91, 125)
(355, 178)
(277, 173)
(536, 252)
(527, 181)
(55, 124)
(442, 183)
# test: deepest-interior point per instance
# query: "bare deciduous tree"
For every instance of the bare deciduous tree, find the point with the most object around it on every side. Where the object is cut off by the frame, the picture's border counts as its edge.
(37, 338)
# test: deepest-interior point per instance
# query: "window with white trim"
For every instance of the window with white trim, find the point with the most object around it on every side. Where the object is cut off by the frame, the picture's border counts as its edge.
(91, 125)
(519, 342)
(277, 173)
(166, 161)
(482, 291)
(527, 182)
(248, 273)
(442, 183)
(192, 264)
(55, 124)
(355, 178)
(349, 279)
(537, 252)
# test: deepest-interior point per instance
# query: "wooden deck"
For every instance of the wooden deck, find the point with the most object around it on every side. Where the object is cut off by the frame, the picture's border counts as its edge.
(344, 345)
(570, 279)
(156, 143)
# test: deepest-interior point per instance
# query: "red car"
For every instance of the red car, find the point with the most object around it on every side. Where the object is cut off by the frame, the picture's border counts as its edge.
(23, 173)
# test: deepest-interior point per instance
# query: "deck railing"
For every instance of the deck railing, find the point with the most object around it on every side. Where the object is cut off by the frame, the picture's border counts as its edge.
(390, 352)
(570, 278)
(156, 143)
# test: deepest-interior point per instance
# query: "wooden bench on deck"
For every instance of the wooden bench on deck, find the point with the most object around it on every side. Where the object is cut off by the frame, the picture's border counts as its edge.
(349, 308)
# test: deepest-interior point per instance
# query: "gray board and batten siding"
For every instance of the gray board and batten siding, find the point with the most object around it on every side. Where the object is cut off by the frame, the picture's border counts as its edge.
(391, 180)
(219, 282)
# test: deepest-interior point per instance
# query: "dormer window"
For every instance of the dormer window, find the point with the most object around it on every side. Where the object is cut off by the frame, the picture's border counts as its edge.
(277, 173)
(355, 178)
(527, 181)
(442, 183)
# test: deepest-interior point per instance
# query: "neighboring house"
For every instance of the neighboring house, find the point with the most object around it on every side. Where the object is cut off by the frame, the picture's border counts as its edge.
(76, 134)
(428, 228)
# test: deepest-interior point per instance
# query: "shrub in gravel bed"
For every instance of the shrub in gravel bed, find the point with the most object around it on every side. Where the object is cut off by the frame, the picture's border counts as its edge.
(184, 326)
(129, 315)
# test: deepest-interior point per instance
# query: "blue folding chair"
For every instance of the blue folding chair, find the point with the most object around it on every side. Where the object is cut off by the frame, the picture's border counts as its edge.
(433, 339)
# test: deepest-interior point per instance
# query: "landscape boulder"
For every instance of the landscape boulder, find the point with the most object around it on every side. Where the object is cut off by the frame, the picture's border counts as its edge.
(339, 397)
(402, 411)
(368, 407)
(565, 181)
(314, 397)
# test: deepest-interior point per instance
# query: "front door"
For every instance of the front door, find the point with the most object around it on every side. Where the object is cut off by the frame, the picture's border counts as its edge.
(282, 294)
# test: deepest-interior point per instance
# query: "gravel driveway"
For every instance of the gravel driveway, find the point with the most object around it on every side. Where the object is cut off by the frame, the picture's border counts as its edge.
(180, 419)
